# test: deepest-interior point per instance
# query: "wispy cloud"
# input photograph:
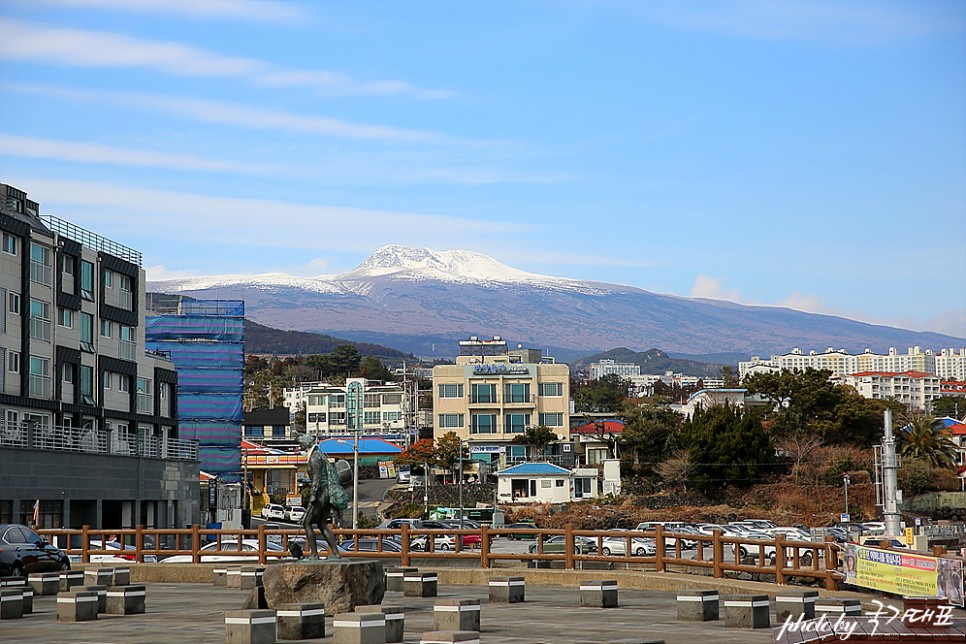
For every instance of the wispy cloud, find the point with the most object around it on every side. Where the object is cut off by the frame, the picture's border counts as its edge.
(209, 111)
(249, 10)
(78, 48)
(713, 288)
(84, 152)
(816, 20)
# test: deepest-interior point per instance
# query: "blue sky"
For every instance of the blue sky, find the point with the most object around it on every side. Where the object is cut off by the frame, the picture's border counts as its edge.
(803, 154)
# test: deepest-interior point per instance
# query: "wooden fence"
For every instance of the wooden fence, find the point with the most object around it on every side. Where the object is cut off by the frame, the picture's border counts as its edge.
(715, 553)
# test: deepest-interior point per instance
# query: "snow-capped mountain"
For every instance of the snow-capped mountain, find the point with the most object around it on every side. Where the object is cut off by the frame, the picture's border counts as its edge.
(421, 300)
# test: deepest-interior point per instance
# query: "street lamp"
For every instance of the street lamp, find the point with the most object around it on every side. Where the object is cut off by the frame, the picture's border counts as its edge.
(846, 480)
(460, 444)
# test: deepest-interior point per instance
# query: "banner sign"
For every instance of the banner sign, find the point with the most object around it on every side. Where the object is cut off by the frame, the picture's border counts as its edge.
(904, 573)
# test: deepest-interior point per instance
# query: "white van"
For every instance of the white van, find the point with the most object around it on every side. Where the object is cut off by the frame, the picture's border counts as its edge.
(403, 474)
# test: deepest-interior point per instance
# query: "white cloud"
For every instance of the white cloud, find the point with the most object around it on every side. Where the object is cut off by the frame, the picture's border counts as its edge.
(317, 266)
(713, 288)
(803, 302)
(161, 272)
(252, 10)
(78, 48)
(83, 152)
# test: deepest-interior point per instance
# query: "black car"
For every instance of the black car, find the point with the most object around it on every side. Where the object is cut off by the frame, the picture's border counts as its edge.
(370, 544)
(23, 551)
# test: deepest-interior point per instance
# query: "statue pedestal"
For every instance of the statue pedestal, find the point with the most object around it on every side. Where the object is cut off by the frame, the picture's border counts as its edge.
(340, 585)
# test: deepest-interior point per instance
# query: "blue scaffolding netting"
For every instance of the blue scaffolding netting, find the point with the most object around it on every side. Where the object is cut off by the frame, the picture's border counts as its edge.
(206, 344)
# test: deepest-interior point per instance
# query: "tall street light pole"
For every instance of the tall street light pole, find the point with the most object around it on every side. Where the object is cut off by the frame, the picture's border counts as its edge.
(846, 480)
(355, 391)
(461, 482)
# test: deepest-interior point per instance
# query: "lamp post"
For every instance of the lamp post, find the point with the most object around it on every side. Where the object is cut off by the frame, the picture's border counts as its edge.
(846, 480)
(355, 403)
(461, 481)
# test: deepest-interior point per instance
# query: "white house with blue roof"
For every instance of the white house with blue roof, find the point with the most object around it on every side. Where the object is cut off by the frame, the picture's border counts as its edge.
(545, 483)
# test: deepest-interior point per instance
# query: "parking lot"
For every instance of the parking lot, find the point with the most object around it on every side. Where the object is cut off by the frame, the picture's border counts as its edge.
(193, 613)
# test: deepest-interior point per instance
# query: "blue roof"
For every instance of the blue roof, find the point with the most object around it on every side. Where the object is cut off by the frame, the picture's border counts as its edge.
(344, 446)
(535, 469)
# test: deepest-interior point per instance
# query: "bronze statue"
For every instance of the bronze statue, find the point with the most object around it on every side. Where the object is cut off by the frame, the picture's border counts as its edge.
(325, 495)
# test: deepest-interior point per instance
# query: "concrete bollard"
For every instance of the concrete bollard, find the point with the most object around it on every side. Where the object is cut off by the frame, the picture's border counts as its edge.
(832, 608)
(301, 621)
(395, 620)
(456, 615)
(20, 583)
(101, 592)
(251, 577)
(11, 603)
(122, 576)
(598, 594)
(698, 606)
(792, 605)
(76, 606)
(219, 576)
(420, 584)
(44, 583)
(250, 627)
(233, 577)
(450, 637)
(747, 611)
(394, 578)
(359, 628)
(12, 581)
(507, 590)
(69, 579)
(99, 577)
(126, 600)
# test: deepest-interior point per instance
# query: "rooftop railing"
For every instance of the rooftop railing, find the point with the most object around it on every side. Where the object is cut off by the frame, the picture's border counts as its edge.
(27, 435)
(91, 240)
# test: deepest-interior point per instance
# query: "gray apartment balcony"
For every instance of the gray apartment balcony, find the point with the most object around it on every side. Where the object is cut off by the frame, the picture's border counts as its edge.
(29, 435)
(41, 273)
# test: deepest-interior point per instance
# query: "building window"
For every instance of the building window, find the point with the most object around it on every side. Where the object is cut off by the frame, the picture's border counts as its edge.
(483, 424)
(40, 319)
(145, 404)
(125, 296)
(451, 421)
(106, 328)
(87, 384)
(516, 423)
(255, 430)
(123, 383)
(371, 418)
(278, 431)
(67, 264)
(87, 332)
(39, 382)
(338, 400)
(106, 379)
(316, 418)
(392, 399)
(371, 400)
(66, 318)
(14, 303)
(40, 264)
(516, 392)
(336, 418)
(13, 361)
(551, 389)
(391, 416)
(108, 278)
(67, 372)
(450, 391)
(483, 394)
(87, 280)
(9, 244)
(551, 420)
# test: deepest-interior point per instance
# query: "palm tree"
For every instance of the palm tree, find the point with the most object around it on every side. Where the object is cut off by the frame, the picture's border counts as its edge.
(927, 438)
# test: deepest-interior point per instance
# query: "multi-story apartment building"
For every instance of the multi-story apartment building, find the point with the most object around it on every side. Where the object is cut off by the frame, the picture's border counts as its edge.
(490, 396)
(77, 390)
(949, 364)
(295, 397)
(357, 405)
(607, 367)
(915, 389)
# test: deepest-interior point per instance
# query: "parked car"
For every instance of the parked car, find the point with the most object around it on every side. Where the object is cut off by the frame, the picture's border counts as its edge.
(127, 553)
(881, 542)
(227, 551)
(23, 551)
(521, 535)
(617, 546)
(370, 544)
(668, 526)
(558, 543)
(468, 524)
(440, 542)
(273, 511)
(295, 514)
(396, 524)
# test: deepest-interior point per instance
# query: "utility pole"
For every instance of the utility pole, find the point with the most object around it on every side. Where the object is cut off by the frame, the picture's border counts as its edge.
(890, 504)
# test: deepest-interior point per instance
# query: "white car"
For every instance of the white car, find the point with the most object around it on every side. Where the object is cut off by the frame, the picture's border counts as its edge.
(440, 542)
(273, 511)
(128, 555)
(617, 546)
(227, 552)
(295, 514)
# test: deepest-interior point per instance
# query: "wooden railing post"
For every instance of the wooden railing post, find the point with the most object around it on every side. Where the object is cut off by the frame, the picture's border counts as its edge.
(139, 543)
(195, 543)
(569, 548)
(831, 564)
(780, 559)
(485, 537)
(659, 547)
(261, 543)
(405, 560)
(717, 556)
(86, 543)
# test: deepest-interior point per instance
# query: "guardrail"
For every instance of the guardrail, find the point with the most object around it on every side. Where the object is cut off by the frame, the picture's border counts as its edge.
(715, 553)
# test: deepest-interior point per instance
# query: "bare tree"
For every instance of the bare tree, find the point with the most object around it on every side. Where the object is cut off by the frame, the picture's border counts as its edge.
(676, 470)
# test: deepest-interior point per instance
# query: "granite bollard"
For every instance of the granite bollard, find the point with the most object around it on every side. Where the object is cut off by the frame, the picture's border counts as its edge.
(599, 593)
(126, 600)
(44, 583)
(359, 628)
(747, 611)
(792, 605)
(394, 578)
(250, 627)
(698, 605)
(11, 603)
(76, 606)
(70, 578)
(301, 621)
(456, 615)
(507, 590)
(395, 620)
(420, 584)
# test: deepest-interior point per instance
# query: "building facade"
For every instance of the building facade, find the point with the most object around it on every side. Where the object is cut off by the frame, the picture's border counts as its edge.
(489, 397)
(80, 398)
(948, 364)
(608, 367)
(915, 389)
(358, 405)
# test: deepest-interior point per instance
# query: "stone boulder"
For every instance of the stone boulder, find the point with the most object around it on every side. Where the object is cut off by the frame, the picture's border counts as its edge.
(340, 585)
